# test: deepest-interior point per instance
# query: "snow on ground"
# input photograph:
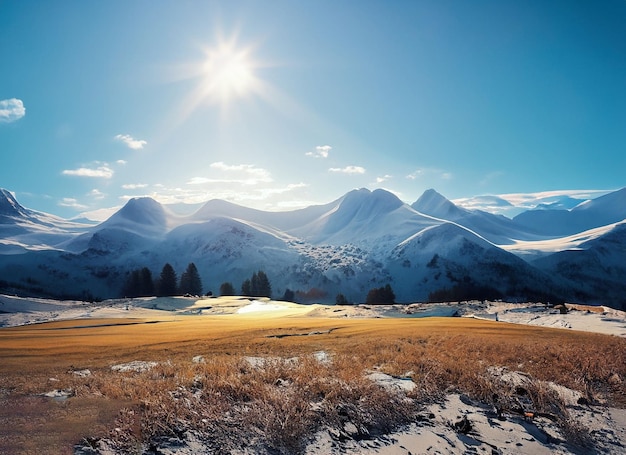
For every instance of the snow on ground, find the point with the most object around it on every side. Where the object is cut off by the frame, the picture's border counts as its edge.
(460, 426)
(588, 319)
(260, 306)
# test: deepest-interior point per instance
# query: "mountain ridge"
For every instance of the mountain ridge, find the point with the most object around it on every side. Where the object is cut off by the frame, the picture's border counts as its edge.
(361, 240)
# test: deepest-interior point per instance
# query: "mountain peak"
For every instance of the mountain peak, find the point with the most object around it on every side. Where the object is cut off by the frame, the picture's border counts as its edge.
(434, 204)
(142, 211)
(9, 205)
(366, 201)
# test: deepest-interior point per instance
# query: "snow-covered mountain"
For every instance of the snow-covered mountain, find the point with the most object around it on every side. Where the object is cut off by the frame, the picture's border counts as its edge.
(607, 209)
(22, 229)
(454, 260)
(431, 249)
(496, 228)
(596, 269)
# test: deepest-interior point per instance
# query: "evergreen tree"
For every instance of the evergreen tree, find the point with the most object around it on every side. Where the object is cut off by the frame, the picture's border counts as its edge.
(381, 295)
(246, 288)
(261, 286)
(190, 282)
(257, 286)
(167, 281)
(254, 285)
(139, 283)
(146, 283)
(227, 288)
(289, 295)
(131, 285)
(341, 300)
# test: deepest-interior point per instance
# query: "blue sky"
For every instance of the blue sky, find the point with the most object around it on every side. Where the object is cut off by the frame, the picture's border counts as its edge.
(282, 104)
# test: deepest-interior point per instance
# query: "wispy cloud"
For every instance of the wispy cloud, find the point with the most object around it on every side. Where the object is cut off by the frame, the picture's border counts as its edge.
(511, 204)
(382, 179)
(102, 171)
(96, 194)
(245, 174)
(99, 214)
(134, 186)
(348, 170)
(491, 176)
(429, 172)
(530, 200)
(11, 110)
(131, 143)
(122, 162)
(321, 151)
(71, 203)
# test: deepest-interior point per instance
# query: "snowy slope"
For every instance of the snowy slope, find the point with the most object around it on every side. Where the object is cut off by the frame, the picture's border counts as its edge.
(373, 220)
(607, 209)
(596, 269)
(496, 228)
(450, 255)
(434, 204)
(138, 224)
(22, 229)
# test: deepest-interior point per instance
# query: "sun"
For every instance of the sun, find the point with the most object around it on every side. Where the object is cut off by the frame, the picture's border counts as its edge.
(227, 73)
(222, 77)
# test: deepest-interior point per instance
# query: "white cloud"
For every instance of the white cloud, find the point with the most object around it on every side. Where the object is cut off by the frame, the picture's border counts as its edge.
(245, 174)
(321, 151)
(266, 192)
(99, 214)
(382, 179)
(271, 196)
(135, 144)
(512, 204)
(11, 110)
(71, 203)
(122, 162)
(102, 171)
(97, 194)
(429, 172)
(531, 200)
(134, 186)
(348, 170)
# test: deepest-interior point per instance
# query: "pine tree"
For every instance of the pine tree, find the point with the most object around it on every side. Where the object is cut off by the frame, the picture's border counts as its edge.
(139, 284)
(146, 285)
(257, 286)
(289, 295)
(254, 285)
(381, 295)
(261, 286)
(131, 285)
(246, 288)
(190, 282)
(167, 281)
(227, 288)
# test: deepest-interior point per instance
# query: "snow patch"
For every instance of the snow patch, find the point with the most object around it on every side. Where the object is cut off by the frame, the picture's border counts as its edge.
(137, 366)
(260, 306)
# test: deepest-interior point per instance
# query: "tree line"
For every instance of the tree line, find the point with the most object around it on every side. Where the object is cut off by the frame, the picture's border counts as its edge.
(258, 285)
(140, 283)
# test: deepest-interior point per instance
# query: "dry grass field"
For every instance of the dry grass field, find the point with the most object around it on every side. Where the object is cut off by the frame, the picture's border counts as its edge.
(232, 399)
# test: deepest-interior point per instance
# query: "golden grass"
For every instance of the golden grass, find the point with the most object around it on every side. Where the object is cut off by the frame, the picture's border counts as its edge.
(440, 354)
